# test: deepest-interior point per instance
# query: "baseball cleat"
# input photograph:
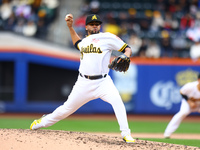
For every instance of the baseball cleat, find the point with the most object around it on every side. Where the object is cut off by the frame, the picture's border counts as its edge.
(167, 136)
(129, 139)
(36, 124)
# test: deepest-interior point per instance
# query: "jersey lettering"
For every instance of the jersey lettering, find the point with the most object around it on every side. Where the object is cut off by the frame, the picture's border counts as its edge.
(91, 49)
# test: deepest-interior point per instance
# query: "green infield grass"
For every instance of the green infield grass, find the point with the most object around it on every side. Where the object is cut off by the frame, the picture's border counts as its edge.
(89, 125)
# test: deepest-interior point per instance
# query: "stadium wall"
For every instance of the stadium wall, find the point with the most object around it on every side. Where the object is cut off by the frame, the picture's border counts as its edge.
(39, 81)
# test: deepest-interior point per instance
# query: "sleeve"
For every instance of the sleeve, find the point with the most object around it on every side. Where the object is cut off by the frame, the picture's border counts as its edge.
(116, 43)
(184, 96)
(125, 48)
(76, 45)
(122, 49)
(186, 89)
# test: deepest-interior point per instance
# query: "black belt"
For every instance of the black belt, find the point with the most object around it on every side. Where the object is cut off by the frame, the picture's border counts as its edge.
(93, 77)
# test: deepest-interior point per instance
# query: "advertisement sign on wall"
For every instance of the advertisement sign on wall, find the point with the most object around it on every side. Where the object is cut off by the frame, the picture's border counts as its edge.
(158, 87)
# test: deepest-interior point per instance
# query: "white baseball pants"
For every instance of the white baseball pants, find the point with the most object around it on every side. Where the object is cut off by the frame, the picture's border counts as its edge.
(86, 90)
(184, 111)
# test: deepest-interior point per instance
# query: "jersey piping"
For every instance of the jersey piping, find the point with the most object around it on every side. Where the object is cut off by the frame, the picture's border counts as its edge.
(76, 44)
(123, 47)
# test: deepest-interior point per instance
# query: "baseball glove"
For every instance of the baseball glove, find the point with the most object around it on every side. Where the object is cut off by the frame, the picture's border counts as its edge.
(120, 63)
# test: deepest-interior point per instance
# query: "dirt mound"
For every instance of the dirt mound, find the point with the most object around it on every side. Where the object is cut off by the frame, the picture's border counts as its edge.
(23, 139)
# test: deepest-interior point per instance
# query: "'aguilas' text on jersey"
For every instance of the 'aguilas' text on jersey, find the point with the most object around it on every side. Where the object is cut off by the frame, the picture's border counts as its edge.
(91, 49)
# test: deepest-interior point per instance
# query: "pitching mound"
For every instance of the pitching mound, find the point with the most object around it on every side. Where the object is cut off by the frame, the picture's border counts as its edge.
(20, 139)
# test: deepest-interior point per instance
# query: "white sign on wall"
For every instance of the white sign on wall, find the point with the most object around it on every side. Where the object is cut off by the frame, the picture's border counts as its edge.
(165, 94)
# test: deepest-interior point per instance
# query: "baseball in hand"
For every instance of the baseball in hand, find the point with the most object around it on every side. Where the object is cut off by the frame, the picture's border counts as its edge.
(68, 16)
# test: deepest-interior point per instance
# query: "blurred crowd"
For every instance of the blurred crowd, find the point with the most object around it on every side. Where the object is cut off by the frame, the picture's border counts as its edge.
(153, 28)
(28, 17)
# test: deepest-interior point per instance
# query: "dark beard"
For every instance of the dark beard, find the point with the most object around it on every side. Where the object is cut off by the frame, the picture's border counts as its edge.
(92, 32)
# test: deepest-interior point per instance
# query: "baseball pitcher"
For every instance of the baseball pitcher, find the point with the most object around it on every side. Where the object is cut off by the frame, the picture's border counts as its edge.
(93, 81)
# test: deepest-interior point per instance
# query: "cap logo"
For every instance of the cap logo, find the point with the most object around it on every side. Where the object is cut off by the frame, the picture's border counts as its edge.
(94, 17)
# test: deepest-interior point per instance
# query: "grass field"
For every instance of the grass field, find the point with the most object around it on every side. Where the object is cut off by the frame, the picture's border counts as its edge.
(112, 126)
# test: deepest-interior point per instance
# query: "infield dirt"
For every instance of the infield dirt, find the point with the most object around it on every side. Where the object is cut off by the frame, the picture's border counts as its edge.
(25, 139)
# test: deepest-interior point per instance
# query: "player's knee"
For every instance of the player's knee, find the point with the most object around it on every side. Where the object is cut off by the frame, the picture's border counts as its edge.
(184, 114)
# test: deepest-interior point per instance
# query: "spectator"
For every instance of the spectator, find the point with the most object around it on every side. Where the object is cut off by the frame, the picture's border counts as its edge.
(30, 29)
(33, 16)
(94, 7)
(197, 20)
(142, 50)
(194, 35)
(50, 8)
(1, 23)
(160, 5)
(170, 15)
(85, 7)
(183, 6)
(194, 7)
(24, 16)
(153, 50)
(180, 45)
(187, 21)
(170, 6)
(133, 21)
(169, 22)
(51, 4)
(123, 34)
(146, 21)
(23, 10)
(157, 22)
(111, 26)
(79, 23)
(41, 29)
(135, 43)
(18, 28)
(6, 9)
(10, 23)
(166, 47)
(195, 51)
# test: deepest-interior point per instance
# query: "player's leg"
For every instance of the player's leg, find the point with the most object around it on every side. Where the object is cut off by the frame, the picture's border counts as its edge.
(70, 106)
(177, 118)
(76, 99)
(109, 93)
